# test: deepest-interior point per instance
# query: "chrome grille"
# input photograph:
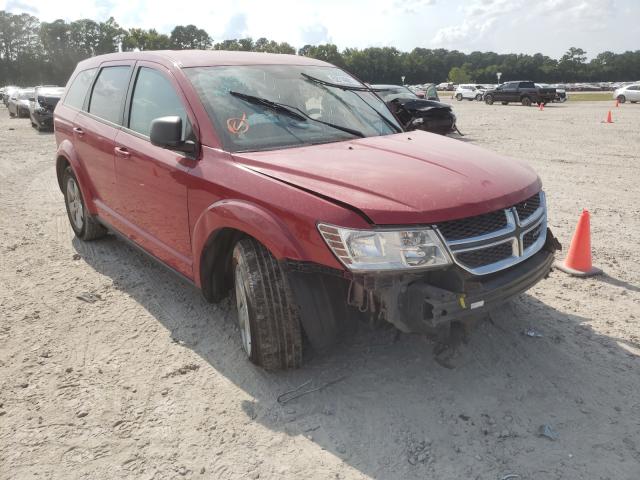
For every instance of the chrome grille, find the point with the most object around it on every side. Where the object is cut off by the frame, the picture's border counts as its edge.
(528, 207)
(484, 256)
(531, 236)
(491, 242)
(473, 226)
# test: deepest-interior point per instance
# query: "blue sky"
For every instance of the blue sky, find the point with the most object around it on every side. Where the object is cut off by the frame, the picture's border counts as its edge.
(522, 26)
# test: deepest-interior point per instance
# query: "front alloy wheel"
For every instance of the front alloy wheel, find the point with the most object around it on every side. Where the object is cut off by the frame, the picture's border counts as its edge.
(243, 309)
(622, 98)
(268, 318)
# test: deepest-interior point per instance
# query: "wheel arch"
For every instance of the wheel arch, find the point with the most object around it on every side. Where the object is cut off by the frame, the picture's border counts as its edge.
(66, 157)
(217, 231)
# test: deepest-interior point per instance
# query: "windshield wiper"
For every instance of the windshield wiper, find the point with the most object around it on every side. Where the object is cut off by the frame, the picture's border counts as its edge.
(277, 107)
(356, 88)
(292, 111)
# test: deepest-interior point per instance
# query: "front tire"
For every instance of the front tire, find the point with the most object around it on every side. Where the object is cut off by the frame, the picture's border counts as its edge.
(478, 97)
(83, 224)
(459, 97)
(488, 100)
(622, 98)
(267, 315)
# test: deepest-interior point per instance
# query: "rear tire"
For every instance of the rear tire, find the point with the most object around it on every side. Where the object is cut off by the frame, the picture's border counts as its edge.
(267, 315)
(526, 101)
(459, 97)
(83, 224)
(622, 98)
(488, 100)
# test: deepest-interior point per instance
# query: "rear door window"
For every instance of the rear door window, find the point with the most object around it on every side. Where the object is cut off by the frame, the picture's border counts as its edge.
(154, 97)
(78, 89)
(109, 92)
(527, 85)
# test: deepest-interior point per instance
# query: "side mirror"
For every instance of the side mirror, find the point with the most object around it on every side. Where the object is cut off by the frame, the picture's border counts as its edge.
(166, 132)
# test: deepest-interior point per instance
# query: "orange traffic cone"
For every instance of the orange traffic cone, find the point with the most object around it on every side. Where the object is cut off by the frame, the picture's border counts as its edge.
(609, 119)
(578, 261)
(541, 106)
(617, 103)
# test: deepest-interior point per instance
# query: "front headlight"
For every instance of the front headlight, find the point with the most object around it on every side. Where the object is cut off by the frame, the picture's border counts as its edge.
(372, 250)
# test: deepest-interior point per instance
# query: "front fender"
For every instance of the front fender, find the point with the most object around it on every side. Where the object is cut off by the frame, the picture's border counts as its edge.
(249, 218)
(66, 152)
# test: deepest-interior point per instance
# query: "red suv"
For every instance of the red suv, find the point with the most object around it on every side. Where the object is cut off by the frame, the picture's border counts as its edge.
(288, 182)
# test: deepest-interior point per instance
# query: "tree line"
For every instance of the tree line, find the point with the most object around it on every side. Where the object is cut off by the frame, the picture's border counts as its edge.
(35, 53)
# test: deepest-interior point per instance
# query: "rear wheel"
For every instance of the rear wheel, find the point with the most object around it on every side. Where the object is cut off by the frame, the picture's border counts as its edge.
(459, 97)
(488, 99)
(83, 224)
(268, 318)
(526, 101)
(622, 98)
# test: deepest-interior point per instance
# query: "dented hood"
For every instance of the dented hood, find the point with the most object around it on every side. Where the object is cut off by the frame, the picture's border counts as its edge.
(407, 178)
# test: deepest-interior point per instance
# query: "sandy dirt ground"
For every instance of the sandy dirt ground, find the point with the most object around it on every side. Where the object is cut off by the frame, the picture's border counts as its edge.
(150, 381)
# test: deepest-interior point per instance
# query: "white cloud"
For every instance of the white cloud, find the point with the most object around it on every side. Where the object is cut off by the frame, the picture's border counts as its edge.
(548, 26)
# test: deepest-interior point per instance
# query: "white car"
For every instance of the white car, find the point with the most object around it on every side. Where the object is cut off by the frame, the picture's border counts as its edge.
(470, 92)
(628, 92)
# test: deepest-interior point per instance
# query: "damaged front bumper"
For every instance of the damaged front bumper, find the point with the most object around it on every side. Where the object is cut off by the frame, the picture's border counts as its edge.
(331, 300)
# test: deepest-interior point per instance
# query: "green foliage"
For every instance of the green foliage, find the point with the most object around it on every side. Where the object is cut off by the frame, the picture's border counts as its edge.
(459, 75)
(33, 53)
(260, 45)
(189, 37)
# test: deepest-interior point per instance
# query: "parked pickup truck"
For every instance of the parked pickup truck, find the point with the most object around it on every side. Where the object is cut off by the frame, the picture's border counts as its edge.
(284, 182)
(521, 92)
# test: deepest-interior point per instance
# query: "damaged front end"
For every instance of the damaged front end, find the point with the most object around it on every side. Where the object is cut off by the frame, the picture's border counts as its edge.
(332, 301)
(422, 303)
(469, 265)
(427, 115)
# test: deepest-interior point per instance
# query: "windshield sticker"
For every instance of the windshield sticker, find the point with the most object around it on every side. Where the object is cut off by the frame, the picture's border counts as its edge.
(238, 126)
(342, 79)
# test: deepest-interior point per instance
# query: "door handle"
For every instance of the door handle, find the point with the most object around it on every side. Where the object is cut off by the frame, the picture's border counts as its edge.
(78, 131)
(122, 152)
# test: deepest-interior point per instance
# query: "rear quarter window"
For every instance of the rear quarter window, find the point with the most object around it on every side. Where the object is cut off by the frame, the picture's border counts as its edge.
(79, 87)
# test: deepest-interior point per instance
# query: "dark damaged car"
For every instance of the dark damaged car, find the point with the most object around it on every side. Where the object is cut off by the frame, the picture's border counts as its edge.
(417, 113)
(42, 106)
(285, 183)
